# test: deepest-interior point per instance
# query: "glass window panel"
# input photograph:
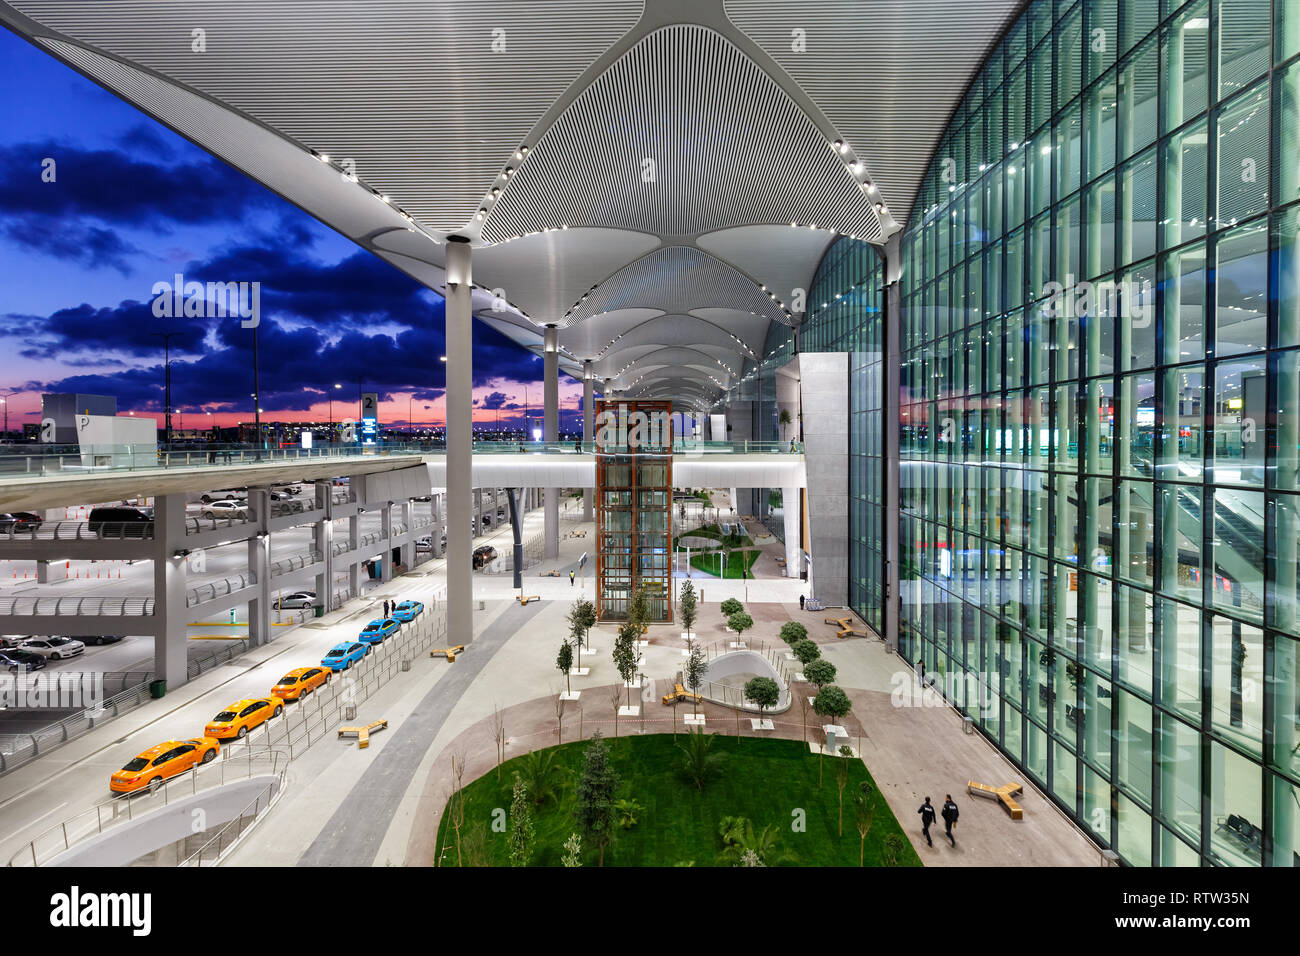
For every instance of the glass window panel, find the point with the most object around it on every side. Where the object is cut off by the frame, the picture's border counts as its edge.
(1284, 568)
(1240, 26)
(1179, 452)
(1242, 139)
(1286, 275)
(1133, 741)
(1133, 639)
(1137, 99)
(1099, 239)
(1241, 291)
(1236, 801)
(1239, 551)
(1184, 65)
(1240, 417)
(1180, 658)
(1237, 683)
(1137, 214)
(1102, 40)
(1133, 837)
(1183, 281)
(1178, 757)
(1184, 159)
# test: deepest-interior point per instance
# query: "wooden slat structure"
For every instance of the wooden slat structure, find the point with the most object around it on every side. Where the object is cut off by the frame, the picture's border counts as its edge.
(1002, 794)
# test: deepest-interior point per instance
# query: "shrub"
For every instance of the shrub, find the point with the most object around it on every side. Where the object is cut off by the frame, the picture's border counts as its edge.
(806, 652)
(792, 631)
(731, 606)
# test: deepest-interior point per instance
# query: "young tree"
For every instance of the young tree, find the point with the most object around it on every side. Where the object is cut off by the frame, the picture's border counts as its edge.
(806, 652)
(792, 631)
(740, 622)
(625, 656)
(819, 672)
(595, 796)
(687, 605)
(616, 702)
(564, 663)
(696, 668)
(763, 691)
(499, 734)
(572, 855)
(730, 606)
(842, 780)
(587, 618)
(864, 810)
(638, 609)
(559, 717)
(832, 702)
(522, 833)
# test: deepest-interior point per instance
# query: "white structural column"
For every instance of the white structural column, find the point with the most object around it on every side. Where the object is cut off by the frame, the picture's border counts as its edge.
(323, 541)
(790, 515)
(551, 426)
(259, 565)
(588, 418)
(386, 533)
(460, 448)
(171, 637)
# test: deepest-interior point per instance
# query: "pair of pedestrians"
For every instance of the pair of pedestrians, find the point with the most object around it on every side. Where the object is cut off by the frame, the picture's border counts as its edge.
(949, 814)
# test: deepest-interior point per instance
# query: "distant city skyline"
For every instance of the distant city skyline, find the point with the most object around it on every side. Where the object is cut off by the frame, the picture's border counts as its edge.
(99, 203)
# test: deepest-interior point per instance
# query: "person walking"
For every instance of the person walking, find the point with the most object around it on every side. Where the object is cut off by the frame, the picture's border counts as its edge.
(927, 819)
(572, 574)
(801, 599)
(385, 608)
(949, 814)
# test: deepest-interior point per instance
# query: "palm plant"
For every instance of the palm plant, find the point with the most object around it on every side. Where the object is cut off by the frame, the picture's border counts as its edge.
(699, 762)
(752, 847)
(540, 774)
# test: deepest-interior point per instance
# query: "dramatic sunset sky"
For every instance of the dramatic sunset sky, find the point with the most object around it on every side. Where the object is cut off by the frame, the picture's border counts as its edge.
(132, 205)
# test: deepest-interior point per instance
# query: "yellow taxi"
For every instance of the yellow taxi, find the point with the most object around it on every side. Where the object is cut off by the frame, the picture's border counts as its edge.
(156, 764)
(242, 716)
(300, 682)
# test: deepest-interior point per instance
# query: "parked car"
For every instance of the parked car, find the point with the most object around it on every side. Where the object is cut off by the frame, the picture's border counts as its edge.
(16, 658)
(13, 640)
(484, 555)
(342, 656)
(296, 600)
(156, 764)
(376, 632)
(103, 639)
(121, 522)
(288, 490)
(424, 544)
(300, 682)
(242, 716)
(408, 611)
(53, 648)
(225, 509)
(20, 521)
(226, 494)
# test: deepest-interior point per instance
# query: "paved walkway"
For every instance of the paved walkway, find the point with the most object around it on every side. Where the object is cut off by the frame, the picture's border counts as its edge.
(354, 833)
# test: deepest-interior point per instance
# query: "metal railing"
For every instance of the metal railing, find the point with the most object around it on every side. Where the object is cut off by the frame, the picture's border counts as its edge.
(80, 531)
(215, 589)
(93, 821)
(225, 838)
(18, 749)
(731, 695)
(295, 562)
(77, 606)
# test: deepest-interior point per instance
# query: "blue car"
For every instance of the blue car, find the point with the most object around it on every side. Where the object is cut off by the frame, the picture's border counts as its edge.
(343, 656)
(408, 611)
(377, 631)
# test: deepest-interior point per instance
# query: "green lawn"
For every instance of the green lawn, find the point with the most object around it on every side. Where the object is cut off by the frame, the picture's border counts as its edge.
(766, 780)
(736, 560)
(713, 532)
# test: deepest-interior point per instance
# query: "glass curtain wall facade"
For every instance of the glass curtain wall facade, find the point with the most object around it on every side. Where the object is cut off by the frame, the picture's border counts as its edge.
(1100, 420)
(846, 314)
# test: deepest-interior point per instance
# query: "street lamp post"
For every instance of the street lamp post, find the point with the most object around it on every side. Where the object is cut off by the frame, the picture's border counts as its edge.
(167, 383)
(5, 402)
(336, 385)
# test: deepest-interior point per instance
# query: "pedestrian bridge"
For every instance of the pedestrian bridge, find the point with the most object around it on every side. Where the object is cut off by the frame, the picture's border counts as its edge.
(36, 477)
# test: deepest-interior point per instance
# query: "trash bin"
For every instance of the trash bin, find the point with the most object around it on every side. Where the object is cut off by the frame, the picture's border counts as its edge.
(968, 725)
(320, 611)
(157, 688)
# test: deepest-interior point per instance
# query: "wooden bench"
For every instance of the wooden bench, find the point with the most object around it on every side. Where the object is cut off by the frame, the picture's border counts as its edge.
(524, 599)
(681, 693)
(845, 627)
(548, 574)
(363, 732)
(1002, 794)
(448, 652)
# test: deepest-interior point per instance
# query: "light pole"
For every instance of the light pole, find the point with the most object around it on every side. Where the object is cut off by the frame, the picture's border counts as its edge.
(167, 382)
(336, 385)
(5, 402)
(257, 399)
